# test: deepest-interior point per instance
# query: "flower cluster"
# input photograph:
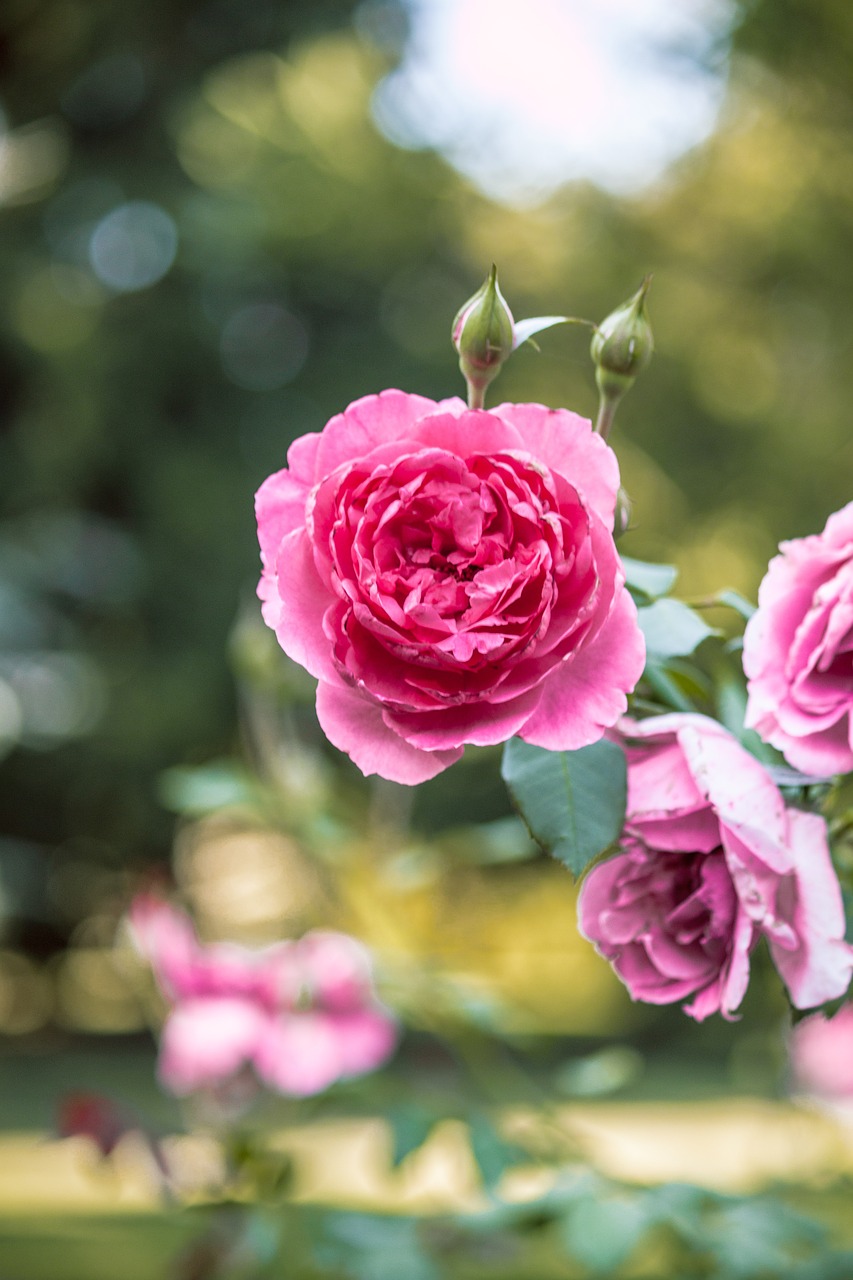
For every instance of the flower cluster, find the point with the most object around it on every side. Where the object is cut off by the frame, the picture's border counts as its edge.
(450, 577)
(303, 1014)
(712, 860)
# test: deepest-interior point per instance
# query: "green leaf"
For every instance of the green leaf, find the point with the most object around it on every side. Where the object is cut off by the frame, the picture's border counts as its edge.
(572, 801)
(672, 629)
(523, 330)
(755, 1237)
(602, 1231)
(493, 1153)
(204, 790)
(375, 1247)
(734, 600)
(410, 1128)
(600, 1073)
(648, 580)
(665, 688)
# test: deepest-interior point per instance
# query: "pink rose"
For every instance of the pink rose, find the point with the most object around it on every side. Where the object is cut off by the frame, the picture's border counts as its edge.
(450, 577)
(798, 650)
(711, 861)
(821, 1052)
(303, 1014)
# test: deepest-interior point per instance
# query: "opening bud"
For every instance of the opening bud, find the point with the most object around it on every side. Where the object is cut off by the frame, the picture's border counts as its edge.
(621, 348)
(484, 336)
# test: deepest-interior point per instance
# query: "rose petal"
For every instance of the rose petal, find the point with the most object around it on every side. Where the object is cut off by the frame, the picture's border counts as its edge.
(280, 509)
(482, 724)
(354, 723)
(302, 601)
(207, 1040)
(567, 443)
(795, 701)
(820, 967)
(301, 1054)
(367, 423)
(587, 693)
(366, 1039)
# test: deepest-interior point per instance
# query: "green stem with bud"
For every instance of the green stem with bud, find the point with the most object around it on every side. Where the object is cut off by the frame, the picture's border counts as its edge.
(484, 338)
(621, 347)
(607, 406)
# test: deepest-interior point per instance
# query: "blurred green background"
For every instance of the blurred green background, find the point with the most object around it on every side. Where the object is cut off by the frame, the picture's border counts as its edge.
(208, 248)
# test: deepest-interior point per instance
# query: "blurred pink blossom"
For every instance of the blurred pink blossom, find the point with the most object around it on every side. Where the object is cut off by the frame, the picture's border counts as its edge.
(712, 860)
(303, 1014)
(821, 1052)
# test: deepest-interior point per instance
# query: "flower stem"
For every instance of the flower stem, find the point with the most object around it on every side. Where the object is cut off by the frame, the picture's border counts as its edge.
(606, 413)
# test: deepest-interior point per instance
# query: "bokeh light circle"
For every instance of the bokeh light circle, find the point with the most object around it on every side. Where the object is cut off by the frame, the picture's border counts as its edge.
(263, 346)
(133, 246)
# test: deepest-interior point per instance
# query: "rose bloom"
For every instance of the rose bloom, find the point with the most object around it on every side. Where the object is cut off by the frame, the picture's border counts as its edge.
(820, 1051)
(303, 1014)
(798, 650)
(711, 861)
(450, 576)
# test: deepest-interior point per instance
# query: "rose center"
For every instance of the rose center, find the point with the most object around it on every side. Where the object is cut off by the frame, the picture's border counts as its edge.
(460, 559)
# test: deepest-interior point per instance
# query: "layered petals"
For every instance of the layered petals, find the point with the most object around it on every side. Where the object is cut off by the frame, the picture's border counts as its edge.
(798, 651)
(450, 577)
(711, 861)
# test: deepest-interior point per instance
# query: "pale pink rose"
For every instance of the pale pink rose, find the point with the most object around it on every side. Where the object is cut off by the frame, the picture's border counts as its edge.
(711, 861)
(334, 1026)
(821, 1053)
(303, 1014)
(798, 650)
(450, 577)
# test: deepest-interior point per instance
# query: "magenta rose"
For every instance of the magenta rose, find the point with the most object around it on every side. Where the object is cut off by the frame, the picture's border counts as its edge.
(798, 650)
(450, 577)
(711, 861)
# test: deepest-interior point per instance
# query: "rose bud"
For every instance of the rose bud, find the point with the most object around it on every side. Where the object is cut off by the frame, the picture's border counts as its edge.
(621, 348)
(484, 335)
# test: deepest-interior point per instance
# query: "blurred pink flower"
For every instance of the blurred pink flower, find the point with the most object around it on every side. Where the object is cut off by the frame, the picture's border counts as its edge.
(711, 861)
(821, 1053)
(303, 1014)
(798, 650)
(449, 577)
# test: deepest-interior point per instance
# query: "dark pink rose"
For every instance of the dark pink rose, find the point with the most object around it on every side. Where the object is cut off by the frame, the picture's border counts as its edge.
(711, 861)
(450, 577)
(303, 1014)
(798, 650)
